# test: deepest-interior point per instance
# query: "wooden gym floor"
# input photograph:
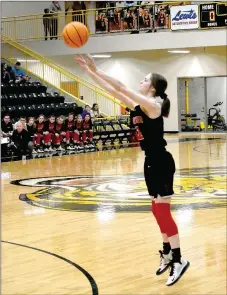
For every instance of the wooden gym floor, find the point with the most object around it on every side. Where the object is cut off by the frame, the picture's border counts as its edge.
(81, 224)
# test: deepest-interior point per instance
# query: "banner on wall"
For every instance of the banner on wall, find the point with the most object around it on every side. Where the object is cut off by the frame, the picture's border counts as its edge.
(101, 21)
(145, 17)
(161, 16)
(184, 17)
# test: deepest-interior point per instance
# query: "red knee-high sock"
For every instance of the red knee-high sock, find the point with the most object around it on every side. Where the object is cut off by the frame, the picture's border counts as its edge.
(154, 211)
(165, 219)
(153, 208)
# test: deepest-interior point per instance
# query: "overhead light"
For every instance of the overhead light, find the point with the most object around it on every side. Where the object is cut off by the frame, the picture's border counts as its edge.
(101, 55)
(179, 51)
(24, 60)
(28, 60)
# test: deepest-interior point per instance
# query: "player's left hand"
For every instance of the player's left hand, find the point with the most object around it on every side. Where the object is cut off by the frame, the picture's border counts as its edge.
(82, 63)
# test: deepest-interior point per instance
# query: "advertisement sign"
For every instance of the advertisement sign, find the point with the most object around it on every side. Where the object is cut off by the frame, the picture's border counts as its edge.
(184, 17)
(213, 15)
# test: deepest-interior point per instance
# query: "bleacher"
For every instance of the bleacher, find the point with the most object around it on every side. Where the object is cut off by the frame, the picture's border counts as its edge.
(30, 99)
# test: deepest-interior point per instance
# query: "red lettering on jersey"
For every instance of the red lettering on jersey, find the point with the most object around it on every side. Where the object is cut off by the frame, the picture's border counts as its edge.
(137, 120)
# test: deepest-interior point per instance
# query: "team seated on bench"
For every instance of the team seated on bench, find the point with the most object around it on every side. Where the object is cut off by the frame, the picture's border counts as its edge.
(49, 135)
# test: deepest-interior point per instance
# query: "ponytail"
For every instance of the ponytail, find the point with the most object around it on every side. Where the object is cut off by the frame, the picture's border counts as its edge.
(165, 105)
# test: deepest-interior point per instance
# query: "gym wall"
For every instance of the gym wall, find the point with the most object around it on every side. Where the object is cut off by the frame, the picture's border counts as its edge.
(131, 67)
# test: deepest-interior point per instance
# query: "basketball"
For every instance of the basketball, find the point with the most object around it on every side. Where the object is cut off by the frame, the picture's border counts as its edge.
(75, 34)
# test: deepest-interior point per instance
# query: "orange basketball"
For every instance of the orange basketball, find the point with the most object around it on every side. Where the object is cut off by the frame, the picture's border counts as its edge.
(75, 34)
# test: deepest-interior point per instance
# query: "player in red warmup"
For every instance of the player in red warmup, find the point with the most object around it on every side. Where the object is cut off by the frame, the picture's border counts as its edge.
(69, 131)
(48, 134)
(38, 136)
(59, 135)
(151, 104)
(78, 132)
(87, 135)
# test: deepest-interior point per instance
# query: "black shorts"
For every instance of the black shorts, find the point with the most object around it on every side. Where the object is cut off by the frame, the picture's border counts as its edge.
(159, 173)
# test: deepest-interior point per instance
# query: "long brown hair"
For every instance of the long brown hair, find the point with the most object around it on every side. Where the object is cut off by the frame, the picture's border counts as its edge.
(160, 84)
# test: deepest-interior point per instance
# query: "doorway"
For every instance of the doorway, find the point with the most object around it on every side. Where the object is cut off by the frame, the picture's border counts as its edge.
(202, 104)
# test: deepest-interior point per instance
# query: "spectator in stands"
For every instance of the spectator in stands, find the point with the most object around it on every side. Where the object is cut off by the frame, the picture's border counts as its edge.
(6, 126)
(20, 143)
(48, 134)
(19, 73)
(69, 131)
(94, 112)
(59, 133)
(86, 111)
(39, 133)
(77, 8)
(5, 74)
(47, 23)
(87, 135)
(55, 8)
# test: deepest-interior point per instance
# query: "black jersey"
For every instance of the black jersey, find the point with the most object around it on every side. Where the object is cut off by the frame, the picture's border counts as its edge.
(152, 131)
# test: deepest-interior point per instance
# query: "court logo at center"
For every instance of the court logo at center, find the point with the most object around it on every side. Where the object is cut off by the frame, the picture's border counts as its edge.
(195, 188)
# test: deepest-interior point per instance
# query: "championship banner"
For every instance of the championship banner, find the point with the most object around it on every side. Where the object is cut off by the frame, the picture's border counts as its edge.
(101, 21)
(129, 18)
(161, 16)
(115, 19)
(213, 15)
(184, 17)
(145, 17)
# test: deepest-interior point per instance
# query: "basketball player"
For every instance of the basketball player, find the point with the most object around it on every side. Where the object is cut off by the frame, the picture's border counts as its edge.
(69, 130)
(87, 132)
(78, 131)
(48, 134)
(151, 105)
(38, 136)
(59, 133)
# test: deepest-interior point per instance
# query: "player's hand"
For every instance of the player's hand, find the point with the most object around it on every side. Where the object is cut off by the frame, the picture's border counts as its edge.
(82, 63)
(91, 63)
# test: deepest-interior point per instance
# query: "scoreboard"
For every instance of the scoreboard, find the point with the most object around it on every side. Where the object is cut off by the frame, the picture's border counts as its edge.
(213, 15)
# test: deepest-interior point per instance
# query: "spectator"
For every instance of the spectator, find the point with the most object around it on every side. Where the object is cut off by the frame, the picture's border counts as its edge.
(55, 8)
(5, 74)
(20, 143)
(94, 112)
(86, 111)
(47, 23)
(6, 126)
(19, 73)
(77, 8)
